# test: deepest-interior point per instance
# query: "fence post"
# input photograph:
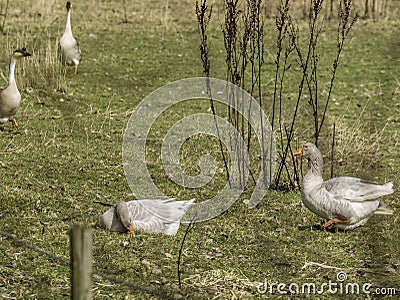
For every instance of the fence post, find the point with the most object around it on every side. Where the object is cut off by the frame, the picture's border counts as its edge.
(81, 262)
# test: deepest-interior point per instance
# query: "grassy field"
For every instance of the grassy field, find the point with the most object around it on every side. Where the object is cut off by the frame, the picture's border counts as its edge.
(66, 156)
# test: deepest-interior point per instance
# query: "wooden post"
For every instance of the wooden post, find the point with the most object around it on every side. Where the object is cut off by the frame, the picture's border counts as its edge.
(366, 10)
(81, 262)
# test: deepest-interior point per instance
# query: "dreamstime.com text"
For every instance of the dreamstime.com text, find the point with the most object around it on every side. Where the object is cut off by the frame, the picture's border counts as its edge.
(330, 287)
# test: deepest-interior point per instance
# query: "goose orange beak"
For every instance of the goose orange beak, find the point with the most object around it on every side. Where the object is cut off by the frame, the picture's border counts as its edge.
(131, 229)
(298, 152)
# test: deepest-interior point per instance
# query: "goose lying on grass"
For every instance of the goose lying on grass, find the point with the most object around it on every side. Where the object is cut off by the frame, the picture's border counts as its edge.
(68, 48)
(10, 98)
(148, 215)
(346, 202)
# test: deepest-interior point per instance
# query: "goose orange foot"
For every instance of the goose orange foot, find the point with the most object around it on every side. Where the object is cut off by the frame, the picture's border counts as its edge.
(14, 123)
(131, 229)
(334, 221)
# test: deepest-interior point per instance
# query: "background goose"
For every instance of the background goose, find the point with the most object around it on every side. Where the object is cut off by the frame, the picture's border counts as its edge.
(148, 215)
(346, 202)
(10, 98)
(69, 50)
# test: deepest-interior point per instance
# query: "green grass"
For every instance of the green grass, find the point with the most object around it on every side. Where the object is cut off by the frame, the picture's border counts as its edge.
(67, 154)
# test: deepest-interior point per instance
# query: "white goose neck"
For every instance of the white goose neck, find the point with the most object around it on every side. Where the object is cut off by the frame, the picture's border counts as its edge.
(314, 174)
(12, 70)
(315, 166)
(68, 25)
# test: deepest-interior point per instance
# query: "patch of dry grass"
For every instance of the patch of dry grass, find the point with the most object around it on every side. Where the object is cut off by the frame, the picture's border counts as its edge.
(357, 143)
(221, 283)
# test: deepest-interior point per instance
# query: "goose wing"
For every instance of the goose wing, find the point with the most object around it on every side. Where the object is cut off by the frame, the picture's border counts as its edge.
(355, 189)
(158, 216)
(167, 210)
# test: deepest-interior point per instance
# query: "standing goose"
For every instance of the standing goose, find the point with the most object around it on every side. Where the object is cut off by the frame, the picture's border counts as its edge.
(147, 215)
(68, 48)
(346, 202)
(10, 98)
